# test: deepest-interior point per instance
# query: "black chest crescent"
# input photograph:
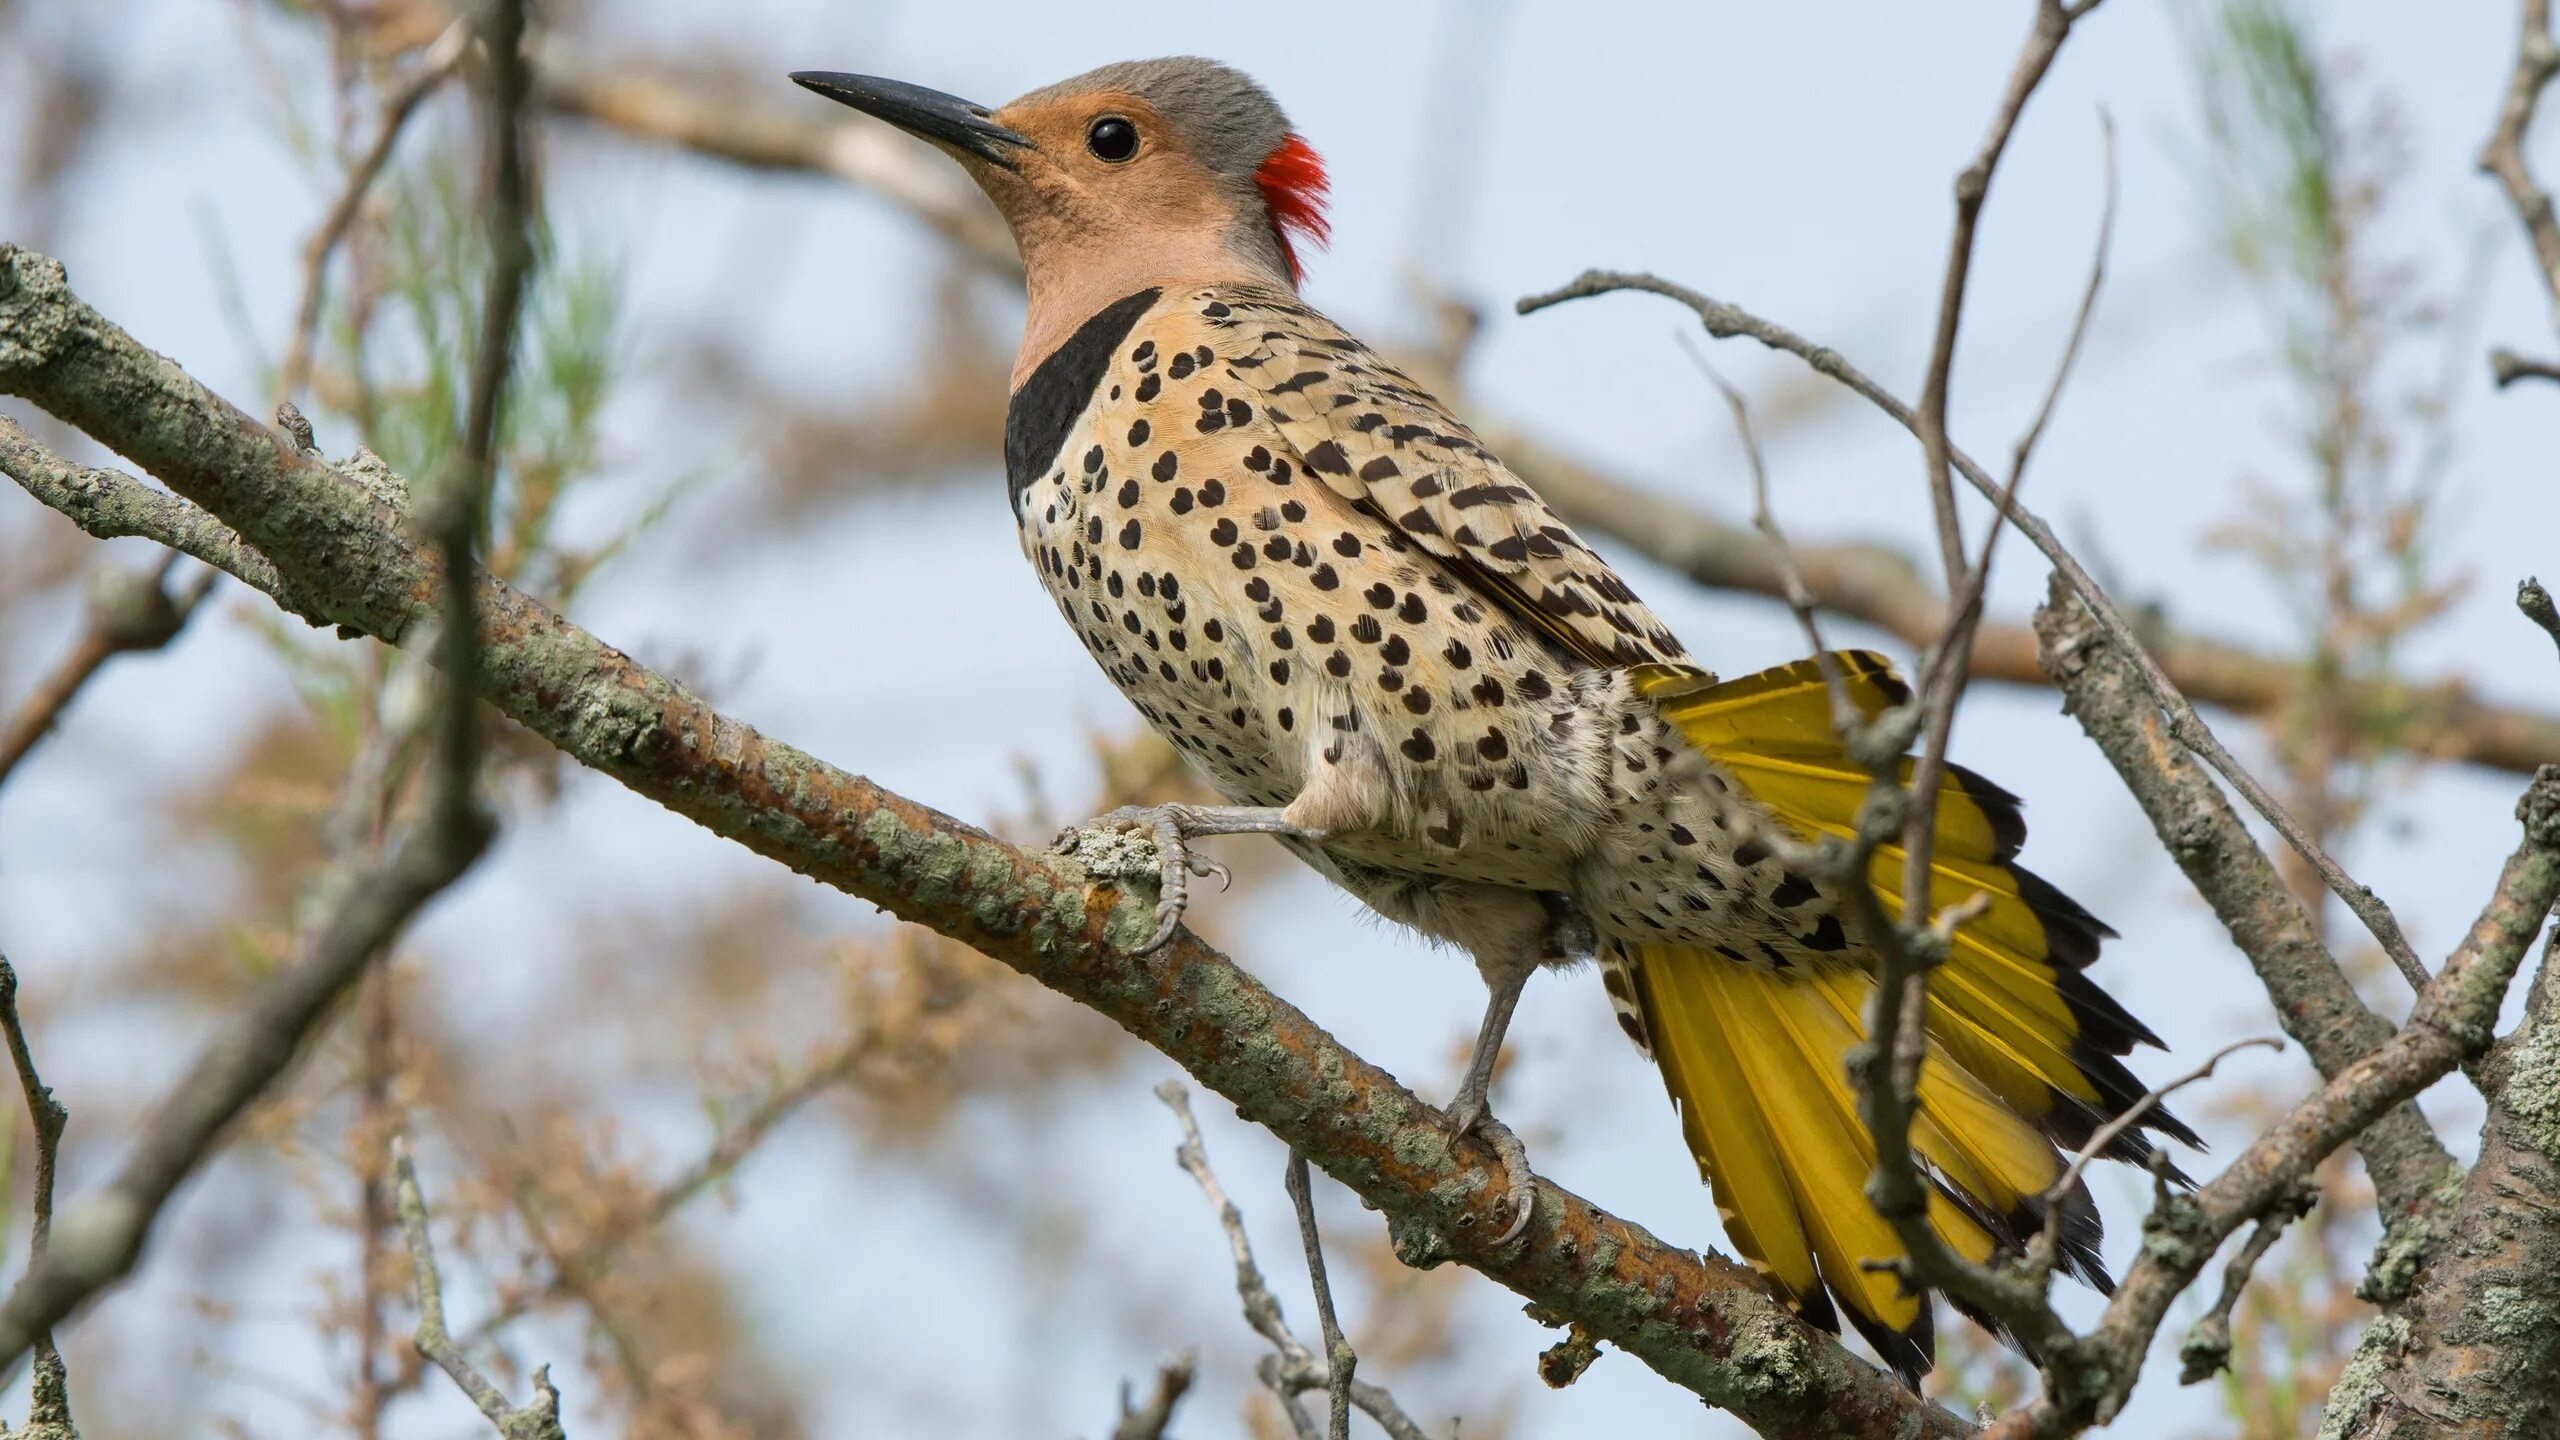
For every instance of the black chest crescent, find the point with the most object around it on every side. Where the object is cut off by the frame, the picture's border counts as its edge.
(1037, 419)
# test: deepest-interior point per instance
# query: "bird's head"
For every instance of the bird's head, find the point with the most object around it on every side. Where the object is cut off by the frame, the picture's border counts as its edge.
(1143, 172)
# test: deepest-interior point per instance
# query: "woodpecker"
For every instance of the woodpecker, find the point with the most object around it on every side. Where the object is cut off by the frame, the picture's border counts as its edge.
(1389, 654)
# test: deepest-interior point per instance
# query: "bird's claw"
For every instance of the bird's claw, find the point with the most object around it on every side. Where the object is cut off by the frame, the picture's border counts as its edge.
(1472, 1118)
(1174, 865)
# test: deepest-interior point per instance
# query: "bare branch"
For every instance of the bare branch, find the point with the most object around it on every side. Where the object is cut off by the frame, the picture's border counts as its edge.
(2453, 1022)
(1725, 321)
(49, 1397)
(2316, 1004)
(2106, 1135)
(2506, 367)
(2536, 604)
(2502, 157)
(2052, 25)
(2454, 1352)
(433, 67)
(2206, 1350)
(129, 611)
(1293, 1370)
(112, 505)
(1340, 1364)
(1799, 597)
(1148, 1422)
(751, 128)
(537, 1421)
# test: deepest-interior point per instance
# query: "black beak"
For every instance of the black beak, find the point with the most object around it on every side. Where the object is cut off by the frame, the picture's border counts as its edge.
(946, 119)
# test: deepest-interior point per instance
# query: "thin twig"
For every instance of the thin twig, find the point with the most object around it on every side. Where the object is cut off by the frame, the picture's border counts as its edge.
(1148, 1421)
(2502, 157)
(1339, 1360)
(1294, 1370)
(439, 61)
(537, 1421)
(49, 1398)
(2053, 22)
(129, 611)
(1845, 716)
(2536, 604)
(1724, 322)
(2506, 367)
(2206, 1350)
(2048, 1240)
(451, 517)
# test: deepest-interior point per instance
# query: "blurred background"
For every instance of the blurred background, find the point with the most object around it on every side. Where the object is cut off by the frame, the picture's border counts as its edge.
(738, 1157)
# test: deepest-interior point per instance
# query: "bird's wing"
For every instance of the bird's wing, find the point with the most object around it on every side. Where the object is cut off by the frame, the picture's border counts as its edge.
(1381, 441)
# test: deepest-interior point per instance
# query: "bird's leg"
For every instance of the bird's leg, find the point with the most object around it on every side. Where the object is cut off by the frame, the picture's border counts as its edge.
(1172, 828)
(1468, 1111)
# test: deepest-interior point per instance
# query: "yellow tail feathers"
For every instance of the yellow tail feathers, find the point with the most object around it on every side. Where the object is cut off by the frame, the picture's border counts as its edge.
(2022, 1046)
(2011, 1003)
(1755, 1061)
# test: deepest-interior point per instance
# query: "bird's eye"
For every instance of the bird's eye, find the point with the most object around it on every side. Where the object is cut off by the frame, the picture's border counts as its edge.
(1112, 138)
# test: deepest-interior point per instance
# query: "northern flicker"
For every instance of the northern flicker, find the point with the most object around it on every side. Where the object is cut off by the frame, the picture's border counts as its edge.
(1387, 652)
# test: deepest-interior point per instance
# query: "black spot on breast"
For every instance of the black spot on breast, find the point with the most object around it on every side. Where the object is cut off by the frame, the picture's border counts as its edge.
(1041, 413)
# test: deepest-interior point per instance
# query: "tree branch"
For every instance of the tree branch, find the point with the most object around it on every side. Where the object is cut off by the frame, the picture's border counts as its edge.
(537, 1421)
(2453, 1022)
(129, 611)
(2502, 157)
(1291, 1369)
(2314, 1001)
(439, 61)
(2506, 367)
(1704, 1323)
(49, 1392)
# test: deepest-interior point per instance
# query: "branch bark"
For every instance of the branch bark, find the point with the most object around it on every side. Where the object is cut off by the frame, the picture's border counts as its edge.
(2473, 1338)
(1703, 1322)
(2314, 1000)
(2454, 1022)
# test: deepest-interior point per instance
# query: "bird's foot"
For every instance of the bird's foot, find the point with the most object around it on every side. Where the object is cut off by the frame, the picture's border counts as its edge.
(1140, 842)
(1469, 1114)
